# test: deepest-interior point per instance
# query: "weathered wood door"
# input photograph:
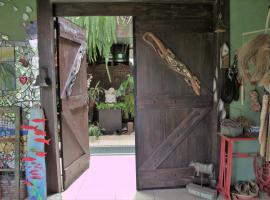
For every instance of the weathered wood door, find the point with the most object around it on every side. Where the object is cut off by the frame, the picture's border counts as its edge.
(73, 100)
(173, 125)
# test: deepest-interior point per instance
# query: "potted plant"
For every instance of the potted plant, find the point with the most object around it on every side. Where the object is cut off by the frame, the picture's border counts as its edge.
(110, 116)
(93, 95)
(126, 94)
(94, 130)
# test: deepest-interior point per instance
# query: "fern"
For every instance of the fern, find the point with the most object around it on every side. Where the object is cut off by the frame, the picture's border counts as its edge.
(100, 35)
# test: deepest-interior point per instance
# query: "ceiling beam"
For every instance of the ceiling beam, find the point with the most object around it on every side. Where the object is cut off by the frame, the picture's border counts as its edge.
(179, 11)
(135, 1)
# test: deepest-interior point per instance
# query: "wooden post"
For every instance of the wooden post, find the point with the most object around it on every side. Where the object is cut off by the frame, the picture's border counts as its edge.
(48, 94)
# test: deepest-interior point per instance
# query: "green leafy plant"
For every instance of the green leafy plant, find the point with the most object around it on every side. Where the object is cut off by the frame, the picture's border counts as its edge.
(94, 130)
(111, 106)
(126, 93)
(95, 92)
(129, 108)
(126, 87)
(100, 35)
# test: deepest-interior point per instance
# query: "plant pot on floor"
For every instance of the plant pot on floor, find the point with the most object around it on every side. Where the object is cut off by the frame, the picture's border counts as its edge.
(110, 120)
(130, 127)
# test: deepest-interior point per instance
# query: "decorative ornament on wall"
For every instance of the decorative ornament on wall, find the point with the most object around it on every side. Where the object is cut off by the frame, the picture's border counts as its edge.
(224, 56)
(23, 79)
(25, 94)
(173, 62)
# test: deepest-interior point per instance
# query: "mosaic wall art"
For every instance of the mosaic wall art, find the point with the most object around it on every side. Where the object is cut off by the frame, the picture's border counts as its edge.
(24, 95)
(7, 68)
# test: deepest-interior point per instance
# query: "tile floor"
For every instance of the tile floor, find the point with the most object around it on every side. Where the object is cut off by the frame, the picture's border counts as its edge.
(113, 178)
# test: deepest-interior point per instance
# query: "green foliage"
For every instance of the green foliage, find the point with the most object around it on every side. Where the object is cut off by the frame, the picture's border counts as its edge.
(129, 109)
(100, 34)
(111, 106)
(94, 130)
(126, 92)
(94, 93)
(126, 87)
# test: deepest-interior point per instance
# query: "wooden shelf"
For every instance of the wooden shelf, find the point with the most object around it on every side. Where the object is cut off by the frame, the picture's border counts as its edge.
(5, 140)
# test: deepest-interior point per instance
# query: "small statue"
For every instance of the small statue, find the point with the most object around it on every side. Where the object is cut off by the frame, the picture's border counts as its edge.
(110, 95)
(203, 168)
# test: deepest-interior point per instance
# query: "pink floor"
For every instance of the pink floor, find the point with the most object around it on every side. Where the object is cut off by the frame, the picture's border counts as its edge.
(107, 177)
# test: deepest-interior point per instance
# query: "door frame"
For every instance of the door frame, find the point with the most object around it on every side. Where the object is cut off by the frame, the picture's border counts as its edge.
(46, 11)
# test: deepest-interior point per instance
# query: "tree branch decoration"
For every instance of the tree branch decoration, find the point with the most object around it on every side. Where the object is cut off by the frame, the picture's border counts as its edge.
(173, 62)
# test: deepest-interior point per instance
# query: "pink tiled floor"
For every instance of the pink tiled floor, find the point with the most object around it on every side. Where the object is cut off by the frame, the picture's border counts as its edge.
(113, 178)
(107, 177)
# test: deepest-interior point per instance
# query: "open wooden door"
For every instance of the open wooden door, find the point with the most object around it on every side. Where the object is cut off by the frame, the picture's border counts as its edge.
(73, 100)
(174, 126)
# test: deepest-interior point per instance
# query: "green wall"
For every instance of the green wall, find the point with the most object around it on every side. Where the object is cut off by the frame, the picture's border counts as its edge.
(11, 22)
(245, 16)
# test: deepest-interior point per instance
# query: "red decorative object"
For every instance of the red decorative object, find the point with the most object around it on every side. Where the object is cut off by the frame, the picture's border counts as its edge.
(225, 165)
(24, 62)
(23, 79)
(262, 172)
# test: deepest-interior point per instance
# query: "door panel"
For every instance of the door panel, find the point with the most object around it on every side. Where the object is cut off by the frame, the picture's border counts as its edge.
(74, 107)
(174, 126)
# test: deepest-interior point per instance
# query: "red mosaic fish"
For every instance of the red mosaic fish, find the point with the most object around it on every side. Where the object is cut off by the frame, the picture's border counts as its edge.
(36, 177)
(40, 132)
(43, 140)
(38, 167)
(41, 154)
(26, 127)
(38, 120)
(28, 183)
(34, 171)
(35, 174)
(28, 159)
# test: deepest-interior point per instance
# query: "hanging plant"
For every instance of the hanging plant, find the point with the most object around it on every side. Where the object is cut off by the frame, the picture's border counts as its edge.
(100, 35)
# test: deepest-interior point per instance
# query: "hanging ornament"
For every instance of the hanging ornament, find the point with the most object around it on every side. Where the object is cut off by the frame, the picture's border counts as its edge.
(23, 79)
(24, 62)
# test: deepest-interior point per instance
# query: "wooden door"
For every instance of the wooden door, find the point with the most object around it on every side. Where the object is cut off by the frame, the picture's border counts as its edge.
(174, 126)
(73, 100)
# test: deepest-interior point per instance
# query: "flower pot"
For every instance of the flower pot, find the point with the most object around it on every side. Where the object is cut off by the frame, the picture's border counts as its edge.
(110, 120)
(130, 127)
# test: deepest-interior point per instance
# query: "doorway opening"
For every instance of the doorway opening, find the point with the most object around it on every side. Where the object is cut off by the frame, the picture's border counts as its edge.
(96, 57)
(111, 85)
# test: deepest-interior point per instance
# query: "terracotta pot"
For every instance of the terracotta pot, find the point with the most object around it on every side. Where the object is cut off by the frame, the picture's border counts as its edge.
(130, 127)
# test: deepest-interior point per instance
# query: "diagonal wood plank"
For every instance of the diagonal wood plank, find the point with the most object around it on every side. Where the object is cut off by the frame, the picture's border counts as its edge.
(74, 127)
(175, 138)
